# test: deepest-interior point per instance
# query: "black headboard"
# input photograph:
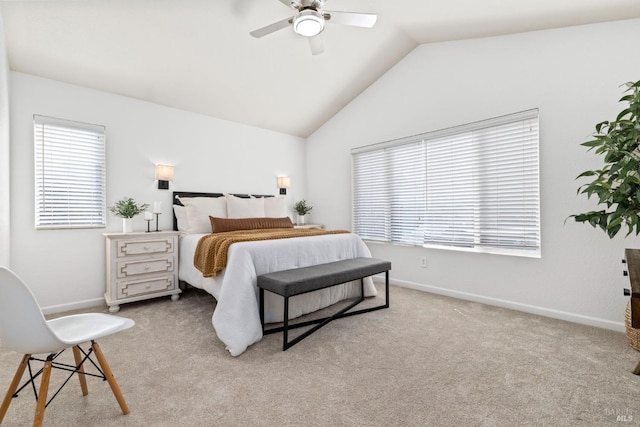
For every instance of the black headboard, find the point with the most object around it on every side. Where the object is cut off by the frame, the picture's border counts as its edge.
(178, 194)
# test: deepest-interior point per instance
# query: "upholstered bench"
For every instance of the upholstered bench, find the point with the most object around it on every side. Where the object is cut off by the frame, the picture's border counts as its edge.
(288, 283)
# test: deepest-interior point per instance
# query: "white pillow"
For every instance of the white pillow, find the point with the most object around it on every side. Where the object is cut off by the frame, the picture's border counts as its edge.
(238, 207)
(275, 207)
(181, 217)
(200, 208)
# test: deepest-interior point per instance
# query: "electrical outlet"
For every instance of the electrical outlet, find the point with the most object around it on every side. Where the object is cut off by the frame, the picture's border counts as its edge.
(423, 261)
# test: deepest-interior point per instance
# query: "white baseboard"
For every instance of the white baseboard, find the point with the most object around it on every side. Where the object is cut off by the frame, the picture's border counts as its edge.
(541, 311)
(77, 305)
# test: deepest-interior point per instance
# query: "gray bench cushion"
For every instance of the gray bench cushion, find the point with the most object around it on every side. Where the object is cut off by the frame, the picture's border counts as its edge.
(306, 279)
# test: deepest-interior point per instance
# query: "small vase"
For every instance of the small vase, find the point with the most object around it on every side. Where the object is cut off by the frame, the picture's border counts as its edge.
(300, 219)
(126, 225)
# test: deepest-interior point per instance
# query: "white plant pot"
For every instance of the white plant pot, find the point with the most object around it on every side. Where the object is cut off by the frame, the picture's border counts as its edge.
(126, 225)
(300, 219)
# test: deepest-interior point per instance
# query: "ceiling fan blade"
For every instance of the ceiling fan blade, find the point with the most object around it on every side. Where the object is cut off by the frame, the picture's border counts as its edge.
(261, 32)
(355, 19)
(316, 44)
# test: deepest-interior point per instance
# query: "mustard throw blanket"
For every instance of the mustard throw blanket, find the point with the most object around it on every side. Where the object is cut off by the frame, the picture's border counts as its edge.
(211, 253)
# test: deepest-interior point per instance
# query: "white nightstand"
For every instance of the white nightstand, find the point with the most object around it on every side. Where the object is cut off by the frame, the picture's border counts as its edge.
(308, 226)
(141, 266)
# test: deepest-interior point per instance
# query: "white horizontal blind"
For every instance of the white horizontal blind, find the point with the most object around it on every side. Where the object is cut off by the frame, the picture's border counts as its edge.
(390, 193)
(69, 174)
(474, 186)
(371, 200)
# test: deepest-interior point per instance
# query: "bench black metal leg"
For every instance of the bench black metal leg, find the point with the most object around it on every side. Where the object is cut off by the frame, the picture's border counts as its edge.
(386, 291)
(285, 330)
(378, 307)
(286, 344)
(318, 322)
(262, 309)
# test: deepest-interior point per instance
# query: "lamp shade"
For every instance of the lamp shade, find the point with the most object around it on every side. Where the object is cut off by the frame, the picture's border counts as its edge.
(164, 173)
(284, 182)
(308, 23)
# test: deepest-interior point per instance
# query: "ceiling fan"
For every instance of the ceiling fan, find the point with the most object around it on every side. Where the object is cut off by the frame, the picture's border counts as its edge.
(310, 19)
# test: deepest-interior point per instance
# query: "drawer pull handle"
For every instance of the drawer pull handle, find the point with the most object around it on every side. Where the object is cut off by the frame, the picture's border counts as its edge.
(146, 247)
(148, 286)
(146, 267)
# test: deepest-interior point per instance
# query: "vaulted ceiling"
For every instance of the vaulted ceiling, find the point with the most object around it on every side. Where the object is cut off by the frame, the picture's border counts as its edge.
(197, 55)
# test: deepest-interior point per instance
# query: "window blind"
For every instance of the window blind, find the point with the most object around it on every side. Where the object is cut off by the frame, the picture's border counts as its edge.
(390, 193)
(474, 186)
(69, 174)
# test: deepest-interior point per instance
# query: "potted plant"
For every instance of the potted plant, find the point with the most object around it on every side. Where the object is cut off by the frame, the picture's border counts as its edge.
(302, 208)
(617, 185)
(127, 208)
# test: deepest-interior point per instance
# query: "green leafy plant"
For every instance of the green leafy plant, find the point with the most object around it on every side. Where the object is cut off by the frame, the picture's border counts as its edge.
(617, 184)
(302, 208)
(127, 208)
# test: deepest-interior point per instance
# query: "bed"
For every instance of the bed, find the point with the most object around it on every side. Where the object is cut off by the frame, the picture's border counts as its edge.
(236, 318)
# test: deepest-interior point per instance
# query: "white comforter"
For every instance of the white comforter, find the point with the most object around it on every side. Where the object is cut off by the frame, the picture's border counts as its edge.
(236, 317)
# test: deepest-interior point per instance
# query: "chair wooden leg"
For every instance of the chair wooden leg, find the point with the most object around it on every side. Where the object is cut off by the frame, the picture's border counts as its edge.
(42, 395)
(636, 371)
(13, 386)
(110, 378)
(83, 379)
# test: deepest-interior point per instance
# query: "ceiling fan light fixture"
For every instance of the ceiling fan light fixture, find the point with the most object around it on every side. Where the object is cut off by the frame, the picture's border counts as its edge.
(308, 23)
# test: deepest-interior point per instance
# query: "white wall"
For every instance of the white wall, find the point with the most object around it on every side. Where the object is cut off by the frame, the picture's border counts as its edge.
(5, 217)
(65, 268)
(573, 76)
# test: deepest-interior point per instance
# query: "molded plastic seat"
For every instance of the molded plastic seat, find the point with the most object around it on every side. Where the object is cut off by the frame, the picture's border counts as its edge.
(24, 330)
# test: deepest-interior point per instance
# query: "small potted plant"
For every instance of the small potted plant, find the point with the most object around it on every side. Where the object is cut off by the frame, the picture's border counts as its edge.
(302, 208)
(127, 208)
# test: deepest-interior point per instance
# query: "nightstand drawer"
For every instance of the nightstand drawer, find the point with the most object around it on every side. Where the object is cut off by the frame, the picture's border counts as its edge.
(141, 287)
(140, 247)
(145, 266)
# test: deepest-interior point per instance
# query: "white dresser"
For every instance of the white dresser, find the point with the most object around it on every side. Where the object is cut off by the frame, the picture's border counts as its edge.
(141, 266)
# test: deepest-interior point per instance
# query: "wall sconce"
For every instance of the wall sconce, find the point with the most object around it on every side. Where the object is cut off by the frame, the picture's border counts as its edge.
(164, 174)
(284, 182)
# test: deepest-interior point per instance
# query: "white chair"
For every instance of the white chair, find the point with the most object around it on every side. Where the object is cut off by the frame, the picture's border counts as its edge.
(24, 330)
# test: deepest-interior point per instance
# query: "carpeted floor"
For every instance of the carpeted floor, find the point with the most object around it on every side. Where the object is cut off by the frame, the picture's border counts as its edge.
(426, 361)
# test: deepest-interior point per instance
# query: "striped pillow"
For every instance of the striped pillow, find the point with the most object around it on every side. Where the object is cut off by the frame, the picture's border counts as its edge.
(219, 225)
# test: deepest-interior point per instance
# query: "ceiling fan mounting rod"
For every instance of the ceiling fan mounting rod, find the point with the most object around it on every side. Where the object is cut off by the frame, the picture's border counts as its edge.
(308, 4)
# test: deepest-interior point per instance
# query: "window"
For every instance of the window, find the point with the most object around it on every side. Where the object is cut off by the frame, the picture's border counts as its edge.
(69, 174)
(472, 187)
